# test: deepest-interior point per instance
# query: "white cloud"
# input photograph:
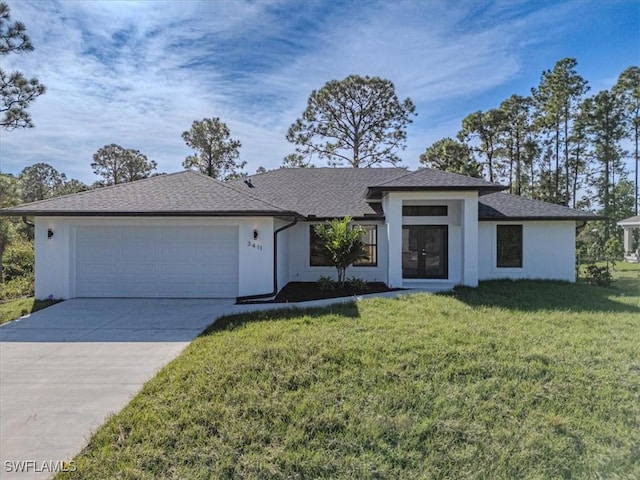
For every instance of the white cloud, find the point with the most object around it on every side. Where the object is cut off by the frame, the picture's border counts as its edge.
(138, 73)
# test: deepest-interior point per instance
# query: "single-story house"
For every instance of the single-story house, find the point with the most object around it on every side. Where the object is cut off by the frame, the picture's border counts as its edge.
(629, 225)
(188, 235)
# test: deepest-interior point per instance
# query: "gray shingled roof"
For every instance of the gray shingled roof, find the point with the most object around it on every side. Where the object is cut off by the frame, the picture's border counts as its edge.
(503, 206)
(323, 192)
(430, 179)
(319, 192)
(184, 193)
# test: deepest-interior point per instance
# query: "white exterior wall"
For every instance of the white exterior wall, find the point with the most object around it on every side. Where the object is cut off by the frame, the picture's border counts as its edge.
(462, 222)
(300, 269)
(54, 261)
(55, 257)
(283, 253)
(548, 250)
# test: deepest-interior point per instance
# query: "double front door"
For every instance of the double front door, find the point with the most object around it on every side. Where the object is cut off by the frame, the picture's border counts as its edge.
(424, 251)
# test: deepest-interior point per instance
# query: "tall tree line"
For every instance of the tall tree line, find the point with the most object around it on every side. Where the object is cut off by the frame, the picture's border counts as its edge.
(561, 144)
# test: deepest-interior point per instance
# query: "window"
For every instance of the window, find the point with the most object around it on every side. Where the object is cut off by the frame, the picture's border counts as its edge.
(424, 210)
(319, 258)
(370, 246)
(509, 243)
(317, 254)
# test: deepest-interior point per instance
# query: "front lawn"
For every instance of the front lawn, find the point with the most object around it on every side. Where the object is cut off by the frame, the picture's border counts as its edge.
(510, 380)
(626, 277)
(12, 309)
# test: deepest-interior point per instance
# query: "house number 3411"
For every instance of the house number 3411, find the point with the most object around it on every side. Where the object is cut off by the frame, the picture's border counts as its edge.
(255, 245)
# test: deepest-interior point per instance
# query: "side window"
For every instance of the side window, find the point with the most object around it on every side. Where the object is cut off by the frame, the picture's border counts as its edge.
(317, 254)
(371, 247)
(509, 246)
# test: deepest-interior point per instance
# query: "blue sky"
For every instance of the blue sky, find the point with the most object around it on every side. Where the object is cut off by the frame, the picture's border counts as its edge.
(139, 73)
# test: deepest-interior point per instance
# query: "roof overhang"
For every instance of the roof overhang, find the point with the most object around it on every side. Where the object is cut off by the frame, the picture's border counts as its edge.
(362, 218)
(630, 222)
(377, 192)
(506, 218)
(124, 213)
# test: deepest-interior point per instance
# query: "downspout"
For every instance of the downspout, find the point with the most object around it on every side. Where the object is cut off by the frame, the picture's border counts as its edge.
(275, 268)
(28, 222)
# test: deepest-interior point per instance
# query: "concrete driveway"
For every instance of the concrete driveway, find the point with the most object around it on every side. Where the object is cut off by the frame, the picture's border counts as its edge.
(64, 369)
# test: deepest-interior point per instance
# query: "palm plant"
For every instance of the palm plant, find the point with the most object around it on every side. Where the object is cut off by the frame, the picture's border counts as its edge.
(343, 244)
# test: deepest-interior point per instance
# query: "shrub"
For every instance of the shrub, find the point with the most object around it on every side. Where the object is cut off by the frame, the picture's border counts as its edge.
(598, 275)
(18, 260)
(358, 283)
(326, 283)
(343, 244)
(17, 288)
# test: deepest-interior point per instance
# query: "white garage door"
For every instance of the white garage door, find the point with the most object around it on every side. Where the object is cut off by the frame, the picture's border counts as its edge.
(165, 262)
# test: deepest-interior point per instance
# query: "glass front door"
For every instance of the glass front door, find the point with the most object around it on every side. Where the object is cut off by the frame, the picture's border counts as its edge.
(424, 251)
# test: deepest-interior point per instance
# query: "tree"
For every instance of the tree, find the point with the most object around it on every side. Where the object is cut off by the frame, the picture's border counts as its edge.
(580, 145)
(359, 121)
(606, 127)
(217, 153)
(628, 88)
(451, 156)
(41, 181)
(515, 134)
(116, 164)
(556, 99)
(16, 91)
(295, 160)
(343, 243)
(9, 196)
(486, 127)
(72, 186)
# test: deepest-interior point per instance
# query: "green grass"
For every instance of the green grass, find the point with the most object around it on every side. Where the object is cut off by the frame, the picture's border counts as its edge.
(511, 380)
(626, 278)
(13, 309)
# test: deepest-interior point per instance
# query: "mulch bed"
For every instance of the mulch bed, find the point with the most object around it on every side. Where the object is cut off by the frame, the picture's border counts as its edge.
(305, 291)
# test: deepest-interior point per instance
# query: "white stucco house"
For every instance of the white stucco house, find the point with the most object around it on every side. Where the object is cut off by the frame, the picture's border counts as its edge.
(187, 235)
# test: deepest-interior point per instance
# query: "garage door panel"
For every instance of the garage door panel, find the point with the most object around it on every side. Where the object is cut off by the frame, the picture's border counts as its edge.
(179, 254)
(178, 262)
(138, 269)
(97, 269)
(137, 234)
(138, 254)
(99, 234)
(136, 289)
(178, 270)
(99, 289)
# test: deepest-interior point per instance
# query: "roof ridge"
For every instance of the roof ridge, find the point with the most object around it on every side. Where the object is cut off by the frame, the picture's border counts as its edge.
(227, 184)
(230, 187)
(556, 205)
(409, 172)
(453, 174)
(101, 189)
(312, 169)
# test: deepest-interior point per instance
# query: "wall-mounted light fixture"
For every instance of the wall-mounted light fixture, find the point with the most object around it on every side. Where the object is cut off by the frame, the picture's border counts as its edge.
(49, 233)
(255, 233)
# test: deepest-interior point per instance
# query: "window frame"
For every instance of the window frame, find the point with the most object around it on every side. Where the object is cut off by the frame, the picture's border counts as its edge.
(367, 263)
(313, 236)
(438, 209)
(374, 246)
(518, 246)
